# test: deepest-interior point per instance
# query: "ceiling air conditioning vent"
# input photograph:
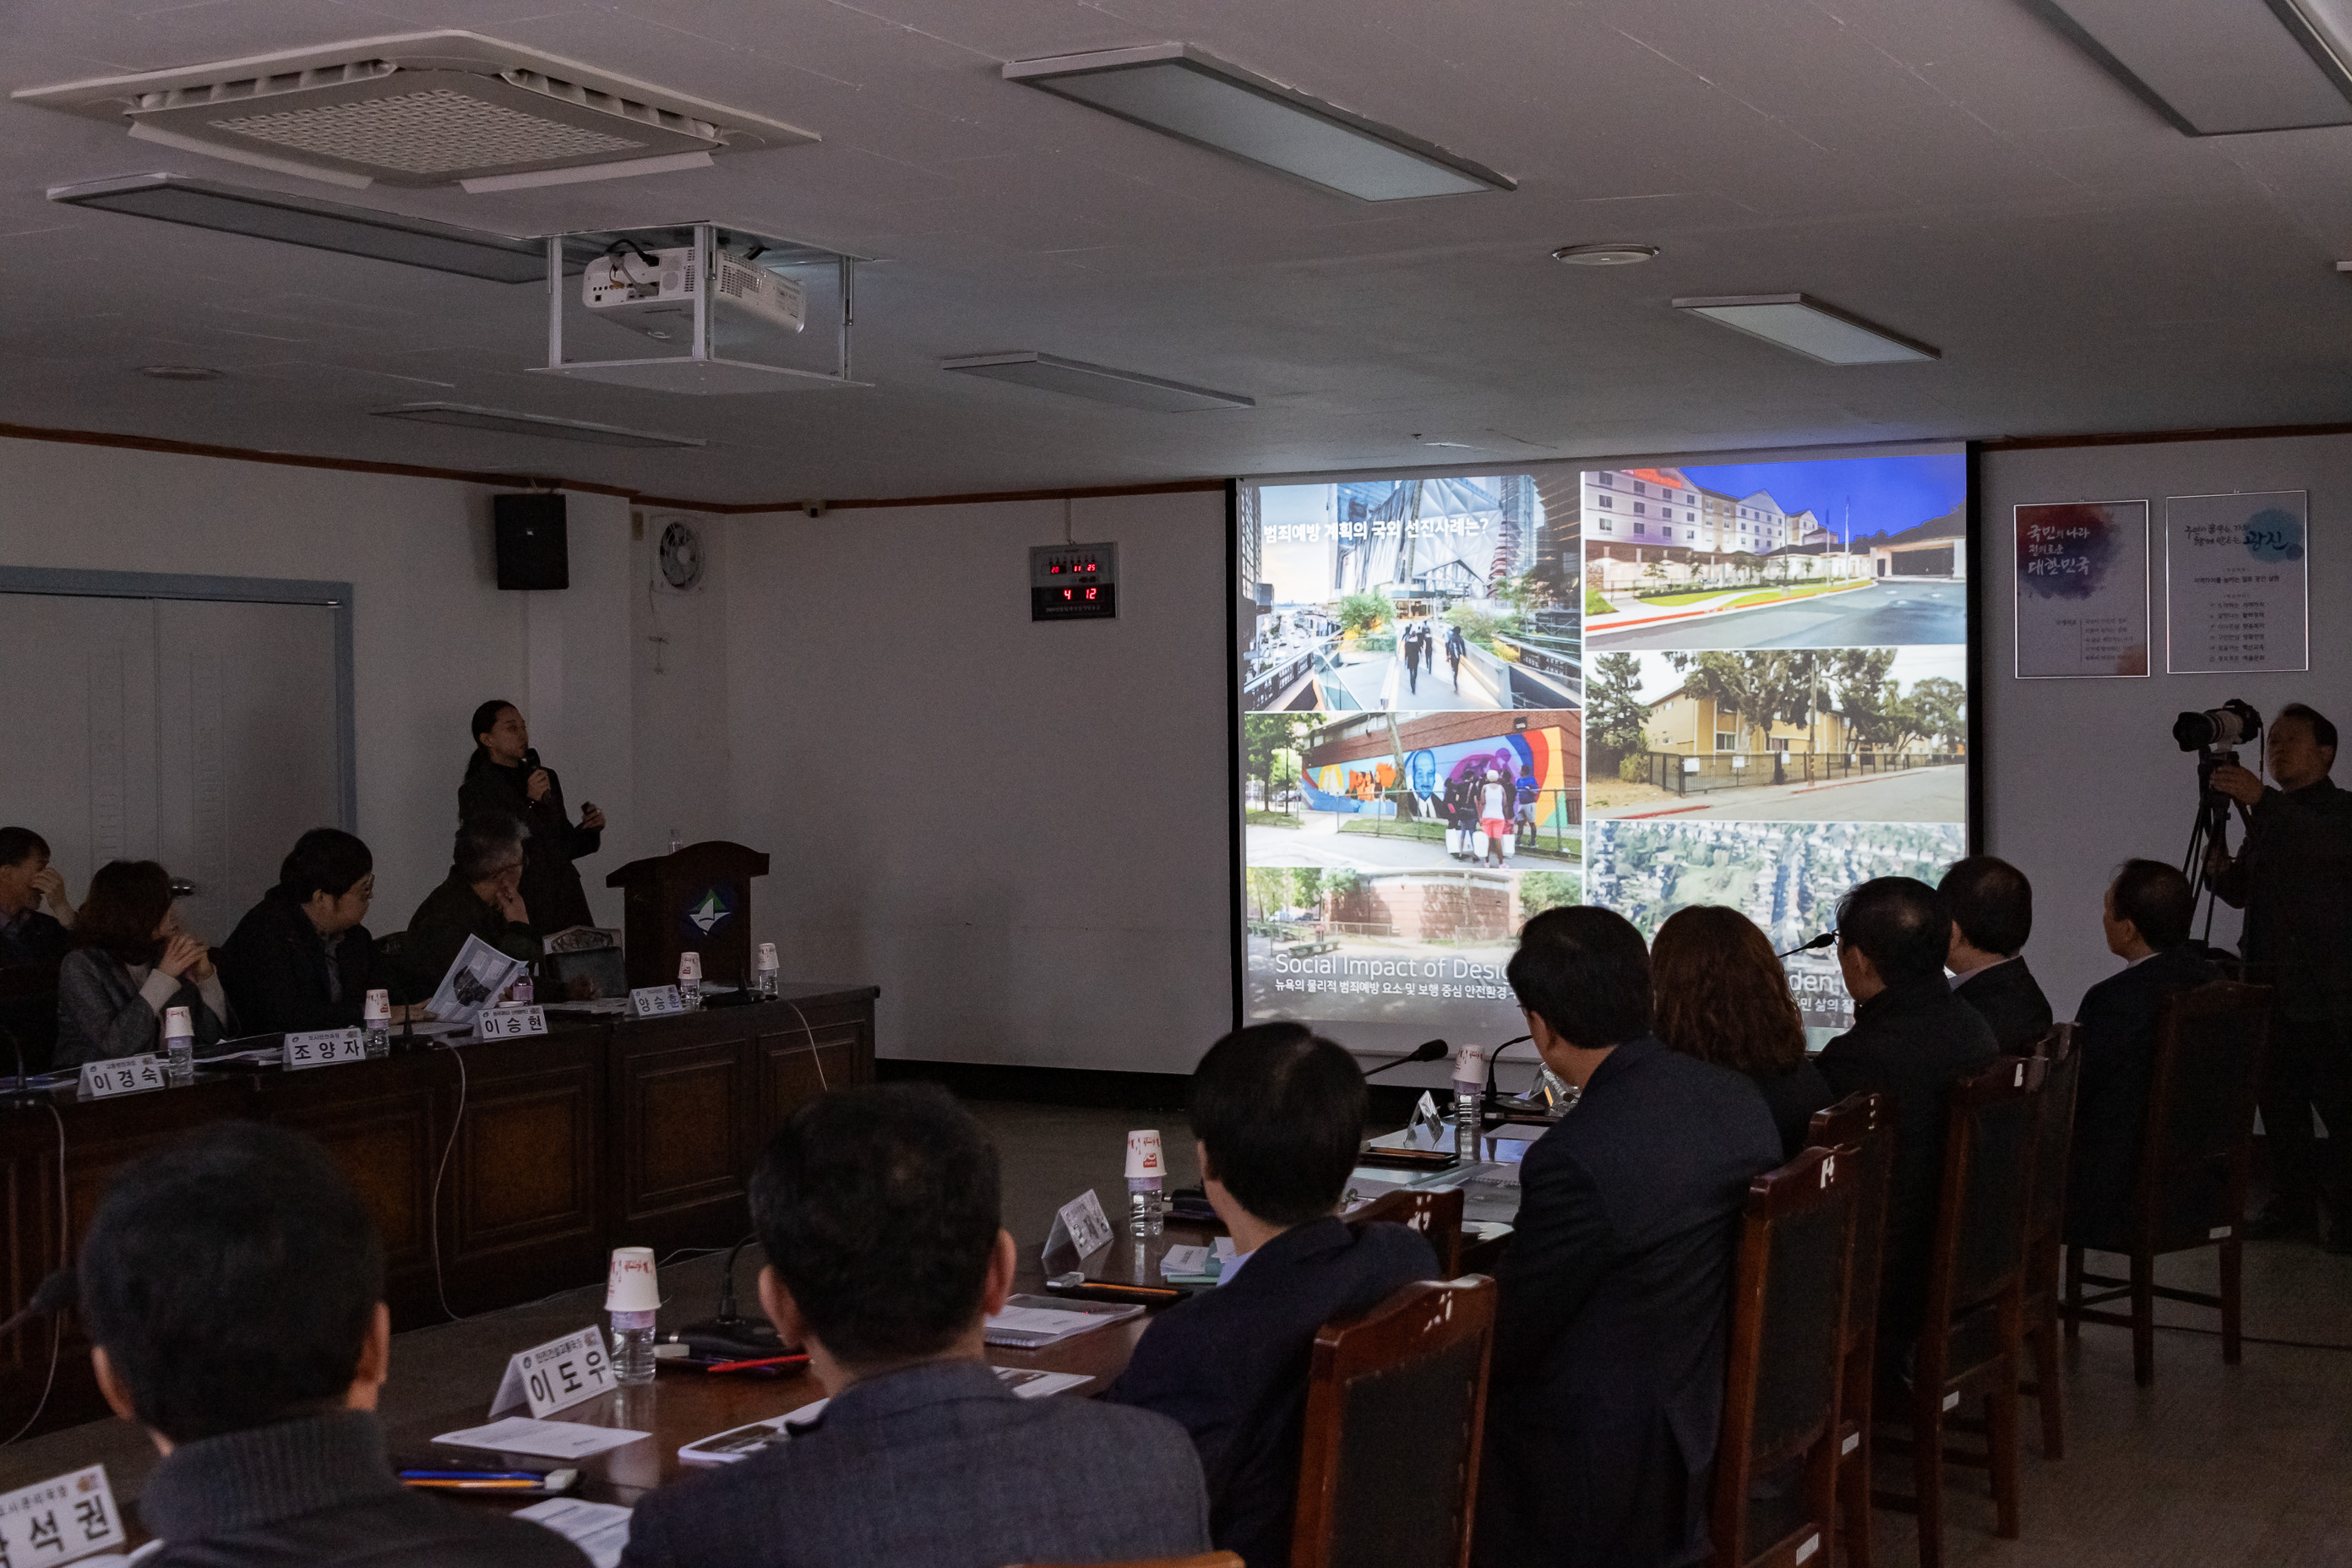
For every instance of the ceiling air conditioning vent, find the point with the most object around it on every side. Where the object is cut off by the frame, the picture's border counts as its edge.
(424, 109)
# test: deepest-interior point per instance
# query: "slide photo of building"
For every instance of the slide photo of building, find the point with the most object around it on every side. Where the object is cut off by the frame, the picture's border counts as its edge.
(1409, 594)
(1864, 734)
(1835, 552)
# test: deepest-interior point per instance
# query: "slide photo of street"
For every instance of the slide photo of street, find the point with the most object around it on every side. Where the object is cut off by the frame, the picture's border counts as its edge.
(1864, 734)
(1787, 877)
(1833, 553)
(1410, 595)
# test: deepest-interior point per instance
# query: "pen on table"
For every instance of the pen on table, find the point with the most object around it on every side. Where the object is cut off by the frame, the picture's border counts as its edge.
(487, 1486)
(762, 1361)
(1118, 1287)
(471, 1475)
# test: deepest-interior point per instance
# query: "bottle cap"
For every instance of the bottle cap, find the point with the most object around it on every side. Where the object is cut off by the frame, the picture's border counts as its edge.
(631, 1286)
(690, 966)
(1143, 1155)
(178, 1025)
(1470, 1065)
(768, 955)
(378, 1009)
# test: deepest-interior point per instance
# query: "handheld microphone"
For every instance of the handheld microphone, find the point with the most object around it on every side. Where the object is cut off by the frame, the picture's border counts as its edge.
(1427, 1051)
(530, 760)
(56, 1293)
(1823, 939)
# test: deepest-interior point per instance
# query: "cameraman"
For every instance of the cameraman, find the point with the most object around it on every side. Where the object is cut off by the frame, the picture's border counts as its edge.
(2294, 880)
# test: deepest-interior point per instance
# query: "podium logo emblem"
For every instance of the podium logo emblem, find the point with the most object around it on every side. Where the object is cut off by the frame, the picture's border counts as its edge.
(710, 912)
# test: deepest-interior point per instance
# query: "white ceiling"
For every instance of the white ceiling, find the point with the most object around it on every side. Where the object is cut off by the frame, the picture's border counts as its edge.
(1950, 168)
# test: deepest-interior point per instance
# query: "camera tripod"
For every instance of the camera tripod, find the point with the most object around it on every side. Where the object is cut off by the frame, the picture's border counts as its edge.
(2210, 832)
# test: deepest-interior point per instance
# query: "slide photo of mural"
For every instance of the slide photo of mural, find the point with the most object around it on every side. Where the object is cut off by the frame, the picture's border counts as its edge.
(1411, 595)
(1864, 734)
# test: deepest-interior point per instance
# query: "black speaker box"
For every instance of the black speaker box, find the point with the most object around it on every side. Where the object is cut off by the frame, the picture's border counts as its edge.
(534, 550)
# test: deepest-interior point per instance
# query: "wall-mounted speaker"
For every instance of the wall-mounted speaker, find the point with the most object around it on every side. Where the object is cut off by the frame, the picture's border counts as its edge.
(534, 550)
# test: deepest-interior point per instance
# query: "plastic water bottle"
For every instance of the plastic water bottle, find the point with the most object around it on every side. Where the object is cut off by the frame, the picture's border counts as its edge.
(375, 1025)
(1469, 1089)
(631, 1299)
(769, 970)
(675, 843)
(1147, 1208)
(179, 1047)
(690, 980)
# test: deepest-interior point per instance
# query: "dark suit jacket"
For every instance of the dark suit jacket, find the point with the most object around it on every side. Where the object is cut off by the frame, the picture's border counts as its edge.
(1792, 1097)
(1911, 1042)
(275, 969)
(2007, 996)
(939, 1465)
(2115, 1030)
(33, 936)
(551, 893)
(1230, 1366)
(1607, 1388)
(438, 932)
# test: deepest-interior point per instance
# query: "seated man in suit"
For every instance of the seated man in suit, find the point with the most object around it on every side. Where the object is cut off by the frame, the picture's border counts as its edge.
(482, 896)
(877, 1209)
(1279, 1115)
(28, 934)
(2150, 906)
(232, 1289)
(1912, 1039)
(1992, 914)
(301, 960)
(1607, 1391)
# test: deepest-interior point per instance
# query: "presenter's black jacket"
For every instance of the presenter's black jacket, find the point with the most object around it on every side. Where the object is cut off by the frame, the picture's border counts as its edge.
(551, 893)
(2114, 1031)
(2007, 996)
(1607, 1388)
(318, 1492)
(1911, 1042)
(1230, 1366)
(438, 932)
(281, 974)
(2294, 880)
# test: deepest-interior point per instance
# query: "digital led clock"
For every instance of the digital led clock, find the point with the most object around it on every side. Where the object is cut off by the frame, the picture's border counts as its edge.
(1073, 582)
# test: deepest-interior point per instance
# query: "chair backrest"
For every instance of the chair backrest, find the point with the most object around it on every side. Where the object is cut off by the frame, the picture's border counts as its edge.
(2210, 1043)
(1864, 1123)
(1396, 1405)
(1437, 1215)
(1978, 1251)
(1785, 1349)
(2053, 1137)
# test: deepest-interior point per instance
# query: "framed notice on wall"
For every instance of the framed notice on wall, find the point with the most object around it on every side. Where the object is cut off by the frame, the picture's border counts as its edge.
(2082, 589)
(2237, 582)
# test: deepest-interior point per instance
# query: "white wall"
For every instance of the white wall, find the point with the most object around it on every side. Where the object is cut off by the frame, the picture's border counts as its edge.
(2082, 773)
(1017, 830)
(433, 635)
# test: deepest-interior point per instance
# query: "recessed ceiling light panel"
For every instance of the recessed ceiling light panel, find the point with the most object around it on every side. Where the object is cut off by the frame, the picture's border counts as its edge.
(322, 226)
(2217, 67)
(1096, 382)
(179, 372)
(418, 109)
(506, 422)
(1804, 325)
(1604, 255)
(1195, 97)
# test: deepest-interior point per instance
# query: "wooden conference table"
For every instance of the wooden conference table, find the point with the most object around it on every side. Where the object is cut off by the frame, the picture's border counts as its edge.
(498, 1173)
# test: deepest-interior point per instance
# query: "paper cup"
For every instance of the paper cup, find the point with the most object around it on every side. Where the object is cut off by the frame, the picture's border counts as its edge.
(1143, 1155)
(1470, 1065)
(378, 1009)
(631, 1286)
(768, 956)
(690, 967)
(178, 1025)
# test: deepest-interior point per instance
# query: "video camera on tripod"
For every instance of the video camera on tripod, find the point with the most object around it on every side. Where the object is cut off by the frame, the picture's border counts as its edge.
(2214, 734)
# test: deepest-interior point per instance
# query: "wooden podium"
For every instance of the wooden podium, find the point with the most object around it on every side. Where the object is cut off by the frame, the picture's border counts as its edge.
(695, 901)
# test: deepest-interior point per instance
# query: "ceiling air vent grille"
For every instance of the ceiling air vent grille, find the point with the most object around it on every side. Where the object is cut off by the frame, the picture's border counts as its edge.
(437, 131)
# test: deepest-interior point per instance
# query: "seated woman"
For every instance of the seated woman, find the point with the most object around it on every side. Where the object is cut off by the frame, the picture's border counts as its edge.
(1722, 997)
(131, 961)
(301, 960)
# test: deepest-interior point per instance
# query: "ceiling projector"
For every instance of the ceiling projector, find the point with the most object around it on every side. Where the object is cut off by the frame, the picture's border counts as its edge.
(652, 291)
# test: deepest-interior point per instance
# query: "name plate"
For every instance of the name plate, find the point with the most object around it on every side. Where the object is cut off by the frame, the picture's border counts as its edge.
(510, 1023)
(60, 1518)
(558, 1374)
(655, 1001)
(124, 1075)
(325, 1047)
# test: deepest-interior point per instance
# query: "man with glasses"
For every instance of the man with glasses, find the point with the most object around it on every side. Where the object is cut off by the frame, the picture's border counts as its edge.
(482, 897)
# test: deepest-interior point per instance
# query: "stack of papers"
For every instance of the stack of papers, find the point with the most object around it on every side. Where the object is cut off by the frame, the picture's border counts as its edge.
(1197, 1265)
(1032, 1323)
(599, 1529)
(742, 1442)
(549, 1439)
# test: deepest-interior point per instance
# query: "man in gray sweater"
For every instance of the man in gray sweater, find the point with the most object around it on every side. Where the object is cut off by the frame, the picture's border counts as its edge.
(232, 1289)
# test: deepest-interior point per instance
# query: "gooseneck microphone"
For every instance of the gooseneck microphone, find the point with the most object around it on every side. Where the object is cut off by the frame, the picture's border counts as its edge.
(1488, 1097)
(1823, 939)
(56, 1293)
(1427, 1051)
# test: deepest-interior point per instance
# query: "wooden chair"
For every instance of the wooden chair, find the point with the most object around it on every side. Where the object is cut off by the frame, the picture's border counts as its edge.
(1205, 1559)
(1437, 1215)
(1785, 1354)
(1972, 1323)
(2195, 1157)
(1863, 1123)
(1396, 1406)
(2045, 1224)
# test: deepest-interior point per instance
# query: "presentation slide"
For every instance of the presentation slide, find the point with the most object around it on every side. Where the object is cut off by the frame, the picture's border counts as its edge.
(1467, 700)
